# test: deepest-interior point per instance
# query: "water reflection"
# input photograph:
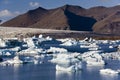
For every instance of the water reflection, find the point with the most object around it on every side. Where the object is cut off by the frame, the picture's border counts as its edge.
(47, 71)
(16, 67)
(16, 71)
(64, 75)
(109, 76)
(94, 68)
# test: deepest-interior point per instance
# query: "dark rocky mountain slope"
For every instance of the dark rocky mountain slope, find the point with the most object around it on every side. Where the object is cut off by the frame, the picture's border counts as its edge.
(111, 24)
(69, 17)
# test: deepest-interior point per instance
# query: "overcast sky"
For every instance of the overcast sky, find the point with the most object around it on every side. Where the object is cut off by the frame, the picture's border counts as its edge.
(12, 8)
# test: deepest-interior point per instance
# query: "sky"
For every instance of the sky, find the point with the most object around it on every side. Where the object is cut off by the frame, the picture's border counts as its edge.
(12, 8)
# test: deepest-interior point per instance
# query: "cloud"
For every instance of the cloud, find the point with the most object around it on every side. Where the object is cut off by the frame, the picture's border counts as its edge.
(7, 13)
(34, 4)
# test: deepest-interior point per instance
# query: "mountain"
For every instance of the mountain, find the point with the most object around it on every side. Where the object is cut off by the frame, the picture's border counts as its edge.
(70, 17)
(27, 19)
(67, 17)
(111, 24)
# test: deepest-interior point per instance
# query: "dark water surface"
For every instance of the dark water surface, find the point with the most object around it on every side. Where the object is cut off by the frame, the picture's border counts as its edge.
(46, 71)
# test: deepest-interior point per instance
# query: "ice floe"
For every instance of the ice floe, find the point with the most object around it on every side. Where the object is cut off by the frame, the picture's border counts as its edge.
(93, 58)
(109, 71)
(67, 54)
(71, 68)
(57, 50)
(111, 55)
(2, 43)
(15, 60)
(64, 59)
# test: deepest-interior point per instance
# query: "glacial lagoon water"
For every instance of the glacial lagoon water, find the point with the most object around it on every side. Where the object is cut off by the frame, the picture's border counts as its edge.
(46, 71)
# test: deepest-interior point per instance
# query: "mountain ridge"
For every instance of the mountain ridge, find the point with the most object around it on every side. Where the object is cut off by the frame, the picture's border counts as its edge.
(67, 17)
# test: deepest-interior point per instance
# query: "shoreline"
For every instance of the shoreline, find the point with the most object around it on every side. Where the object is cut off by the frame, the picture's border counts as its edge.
(10, 32)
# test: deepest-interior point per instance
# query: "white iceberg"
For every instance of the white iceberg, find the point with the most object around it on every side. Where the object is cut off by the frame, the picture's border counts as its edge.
(8, 54)
(60, 68)
(111, 55)
(15, 60)
(2, 43)
(31, 51)
(57, 50)
(64, 59)
(96, 63)
(30, 42)
(71, 68)
(93, 58)
(89, 45)
(109, 71)
(40, 36)
(70, 42)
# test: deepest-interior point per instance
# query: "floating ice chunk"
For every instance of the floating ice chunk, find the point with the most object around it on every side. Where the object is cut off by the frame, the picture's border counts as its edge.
(91, 54)
(70, 42)
(36, 61)
(28, 60)
(16, 49)
(57, 50)
(40, 36)
(29, 51)
(95, 63)
(108, 71)
(93, 48)
(30, 42)
(64, 59)
(48, 38)
(90, 45)
(61, 59)
(111, 46)
(93, 58)
(78, 66)
(60, 68)
(2, 43)
(89, 39)
(37, 56)
(105, 41)
(71, 68)
(15, 60)
(8, 54)
(112, 55)
(64, 40)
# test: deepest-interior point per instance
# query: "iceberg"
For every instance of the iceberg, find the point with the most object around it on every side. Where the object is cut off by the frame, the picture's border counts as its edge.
(72, 68)
(70, 42)
(93, 58)
(30, 42)
(2, 43)
(31, 51)
(57, 50)
(109, 71)
(95, 63)
(111, 55)
(60, 68)
(15, 60)
(64, 59)
(8, 54)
